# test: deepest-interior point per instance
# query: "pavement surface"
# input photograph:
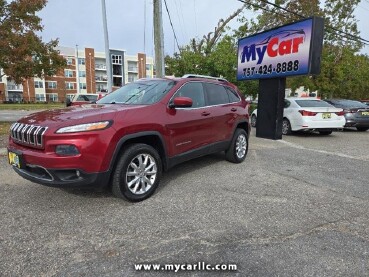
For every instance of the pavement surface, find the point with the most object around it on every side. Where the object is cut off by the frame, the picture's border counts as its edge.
(295, 207)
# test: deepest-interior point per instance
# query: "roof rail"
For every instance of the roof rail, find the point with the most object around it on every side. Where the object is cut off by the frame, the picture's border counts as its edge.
(204, 76)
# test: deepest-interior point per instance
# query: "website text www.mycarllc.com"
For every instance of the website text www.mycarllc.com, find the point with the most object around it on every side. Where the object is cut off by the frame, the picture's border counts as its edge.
(200, 266)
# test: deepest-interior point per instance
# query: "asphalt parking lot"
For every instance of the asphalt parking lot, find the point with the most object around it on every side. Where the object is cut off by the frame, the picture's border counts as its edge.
(295, 207)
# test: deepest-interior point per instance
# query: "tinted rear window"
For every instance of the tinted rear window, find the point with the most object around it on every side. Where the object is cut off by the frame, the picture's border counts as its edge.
(216, 94)
(312, 103)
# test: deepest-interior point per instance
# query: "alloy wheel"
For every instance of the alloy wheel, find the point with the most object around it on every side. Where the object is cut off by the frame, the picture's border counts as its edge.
(141, 173)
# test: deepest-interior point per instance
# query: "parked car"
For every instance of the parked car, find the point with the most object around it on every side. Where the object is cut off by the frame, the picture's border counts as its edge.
(84, 98)
(308, 114)
(355, 112)
(366, 102)
(132, 135)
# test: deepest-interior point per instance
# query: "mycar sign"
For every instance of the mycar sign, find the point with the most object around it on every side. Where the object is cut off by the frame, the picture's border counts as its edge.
(293, 49)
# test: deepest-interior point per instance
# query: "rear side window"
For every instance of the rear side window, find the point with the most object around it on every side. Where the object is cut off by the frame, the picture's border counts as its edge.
(195, 91)
(216, 94)
(87, 97)
(286, 103)
(232, 95)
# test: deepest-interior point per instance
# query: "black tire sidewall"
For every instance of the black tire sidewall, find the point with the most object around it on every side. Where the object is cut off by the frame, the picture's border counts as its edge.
(119, 185)
(253, 124)
(289, 127)
(231, 153)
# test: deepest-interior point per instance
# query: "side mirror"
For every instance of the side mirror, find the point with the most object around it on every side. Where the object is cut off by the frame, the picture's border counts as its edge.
(68, 103)
(181, 102)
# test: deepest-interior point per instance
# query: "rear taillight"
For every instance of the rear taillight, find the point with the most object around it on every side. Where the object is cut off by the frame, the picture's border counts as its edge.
(307, 113)
(340, 113)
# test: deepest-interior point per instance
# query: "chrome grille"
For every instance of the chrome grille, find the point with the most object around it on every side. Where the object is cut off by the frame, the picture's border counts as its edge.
(31, 135)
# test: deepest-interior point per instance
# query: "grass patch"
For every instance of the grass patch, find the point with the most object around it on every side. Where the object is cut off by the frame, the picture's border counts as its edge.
(4, 127)
(31, 107)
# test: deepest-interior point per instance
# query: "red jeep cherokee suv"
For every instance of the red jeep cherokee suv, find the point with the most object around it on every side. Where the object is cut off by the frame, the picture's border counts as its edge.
(129, 137)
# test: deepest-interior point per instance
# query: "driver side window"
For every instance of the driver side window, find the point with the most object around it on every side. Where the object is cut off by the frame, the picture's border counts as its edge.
(195, 91)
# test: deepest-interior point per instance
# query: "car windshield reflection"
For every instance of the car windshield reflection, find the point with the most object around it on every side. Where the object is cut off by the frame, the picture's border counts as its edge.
(139, 93)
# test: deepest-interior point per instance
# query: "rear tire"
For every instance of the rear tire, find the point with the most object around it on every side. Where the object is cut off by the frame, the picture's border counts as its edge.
(362, 129)
(138, 173)
(325, 133)
(237, 151)
(286, 127)
(253, 120)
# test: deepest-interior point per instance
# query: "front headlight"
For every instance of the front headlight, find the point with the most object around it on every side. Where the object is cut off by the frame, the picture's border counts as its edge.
(84, 127)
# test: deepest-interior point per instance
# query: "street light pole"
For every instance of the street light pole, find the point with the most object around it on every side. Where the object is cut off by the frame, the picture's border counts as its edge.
(107, 50)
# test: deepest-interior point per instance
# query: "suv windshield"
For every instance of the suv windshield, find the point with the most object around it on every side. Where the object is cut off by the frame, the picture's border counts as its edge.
(139, 93)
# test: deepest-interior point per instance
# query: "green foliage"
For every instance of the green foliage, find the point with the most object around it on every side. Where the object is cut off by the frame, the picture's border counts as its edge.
(22, 52)
(344, 72)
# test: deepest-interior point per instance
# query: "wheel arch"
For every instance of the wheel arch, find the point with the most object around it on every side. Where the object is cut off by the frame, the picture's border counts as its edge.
(153, 139)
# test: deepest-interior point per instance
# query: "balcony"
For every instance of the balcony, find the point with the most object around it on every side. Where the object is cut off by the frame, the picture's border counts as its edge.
(132, 69)
(100, 67)
(101, 78)
(15, 87)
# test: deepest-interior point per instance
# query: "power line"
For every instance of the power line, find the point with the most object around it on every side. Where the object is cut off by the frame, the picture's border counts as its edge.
(171, 24)
(355, 38)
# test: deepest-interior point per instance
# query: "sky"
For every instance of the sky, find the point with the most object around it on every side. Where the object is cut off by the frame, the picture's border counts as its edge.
(130, 23)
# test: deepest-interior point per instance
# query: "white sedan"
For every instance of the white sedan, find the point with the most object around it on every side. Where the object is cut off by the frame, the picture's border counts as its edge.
(308, 114)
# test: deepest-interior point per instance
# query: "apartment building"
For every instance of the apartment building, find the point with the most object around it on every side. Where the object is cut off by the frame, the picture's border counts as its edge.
(86, 72)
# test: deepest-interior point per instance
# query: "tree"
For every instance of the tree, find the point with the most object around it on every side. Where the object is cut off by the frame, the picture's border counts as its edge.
(22, 52)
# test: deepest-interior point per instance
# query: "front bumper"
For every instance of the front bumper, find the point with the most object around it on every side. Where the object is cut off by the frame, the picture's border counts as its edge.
(64, 178)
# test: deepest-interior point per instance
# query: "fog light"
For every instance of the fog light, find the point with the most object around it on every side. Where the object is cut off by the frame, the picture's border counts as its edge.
(66, 150)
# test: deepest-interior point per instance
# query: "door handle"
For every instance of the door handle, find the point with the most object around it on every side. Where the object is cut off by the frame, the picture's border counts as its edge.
(233, 109)
(205, 113)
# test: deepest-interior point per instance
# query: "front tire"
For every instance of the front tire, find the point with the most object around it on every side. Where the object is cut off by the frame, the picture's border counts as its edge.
(138, 173)
(237, 151)
(362, 129)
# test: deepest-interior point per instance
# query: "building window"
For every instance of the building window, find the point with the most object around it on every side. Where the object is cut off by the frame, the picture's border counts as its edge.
(69, 85)
(51, 85)
(117, 69)
(68, 73)
(53, 97)
(40, 97)
(116, 59)
(132, 66)
(69, 61)
(39, 84)
(81, 61)
(82, 85)
(82, 74)
(117, 81)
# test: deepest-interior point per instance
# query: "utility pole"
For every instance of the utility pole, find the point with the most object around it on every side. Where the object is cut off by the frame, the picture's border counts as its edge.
(77, 70)
(159, 39)
(107, 50)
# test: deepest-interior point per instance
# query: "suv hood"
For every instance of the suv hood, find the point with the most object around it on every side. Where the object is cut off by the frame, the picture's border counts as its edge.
(74, 115)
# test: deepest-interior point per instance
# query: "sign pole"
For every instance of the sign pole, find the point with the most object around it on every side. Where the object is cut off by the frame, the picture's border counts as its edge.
(270, 108)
